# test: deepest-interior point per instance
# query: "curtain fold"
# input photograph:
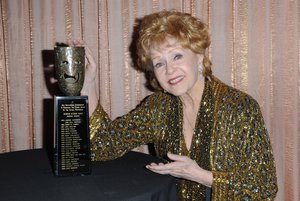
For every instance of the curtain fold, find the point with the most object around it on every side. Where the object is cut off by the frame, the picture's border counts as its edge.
(255, 47)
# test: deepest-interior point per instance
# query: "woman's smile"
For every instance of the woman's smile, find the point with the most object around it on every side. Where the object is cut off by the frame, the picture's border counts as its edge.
(176, 80)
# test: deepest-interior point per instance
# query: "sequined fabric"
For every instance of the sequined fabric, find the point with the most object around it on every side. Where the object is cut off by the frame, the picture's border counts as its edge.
(229, 139)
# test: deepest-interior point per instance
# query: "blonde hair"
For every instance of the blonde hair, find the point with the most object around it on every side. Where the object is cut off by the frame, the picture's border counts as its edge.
(188, 30)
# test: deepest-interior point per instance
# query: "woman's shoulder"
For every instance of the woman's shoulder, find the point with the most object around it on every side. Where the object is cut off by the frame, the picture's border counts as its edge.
(159, 98)
(230, 95)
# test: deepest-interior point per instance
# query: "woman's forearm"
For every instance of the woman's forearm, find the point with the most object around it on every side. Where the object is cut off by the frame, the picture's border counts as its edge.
(93, 95)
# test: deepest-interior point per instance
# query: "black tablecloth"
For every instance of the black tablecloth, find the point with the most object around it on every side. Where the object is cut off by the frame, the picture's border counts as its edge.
(27, 175)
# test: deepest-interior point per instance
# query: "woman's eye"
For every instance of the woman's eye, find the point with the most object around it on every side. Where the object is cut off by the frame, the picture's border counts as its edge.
(157, 65)
(177, 56)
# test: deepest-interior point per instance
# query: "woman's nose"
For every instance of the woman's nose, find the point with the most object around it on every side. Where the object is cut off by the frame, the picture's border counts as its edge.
(170, 69)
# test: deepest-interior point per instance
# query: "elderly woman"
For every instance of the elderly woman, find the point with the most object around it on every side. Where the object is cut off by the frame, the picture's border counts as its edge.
(211, 136)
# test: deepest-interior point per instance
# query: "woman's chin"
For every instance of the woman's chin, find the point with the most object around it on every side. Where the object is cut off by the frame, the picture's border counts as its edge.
(176, 93)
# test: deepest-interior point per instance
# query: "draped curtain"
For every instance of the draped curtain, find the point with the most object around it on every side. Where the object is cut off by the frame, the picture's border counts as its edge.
(255, 47)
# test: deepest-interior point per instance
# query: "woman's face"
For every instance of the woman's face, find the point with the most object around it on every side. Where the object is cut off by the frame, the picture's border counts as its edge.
(175, 67)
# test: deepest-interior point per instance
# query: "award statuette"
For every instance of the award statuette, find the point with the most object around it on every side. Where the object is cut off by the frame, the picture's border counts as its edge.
(71, 116)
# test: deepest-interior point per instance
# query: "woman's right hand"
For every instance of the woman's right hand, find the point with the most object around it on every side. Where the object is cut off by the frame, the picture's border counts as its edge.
(90, 65)
(90, 85)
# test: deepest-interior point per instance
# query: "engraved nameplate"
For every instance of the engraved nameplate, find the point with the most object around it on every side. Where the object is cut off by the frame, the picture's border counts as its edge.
(72, 142)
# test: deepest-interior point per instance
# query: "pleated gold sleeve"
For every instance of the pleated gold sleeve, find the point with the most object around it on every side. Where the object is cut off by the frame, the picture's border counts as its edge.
(96, 119)
(113, 138)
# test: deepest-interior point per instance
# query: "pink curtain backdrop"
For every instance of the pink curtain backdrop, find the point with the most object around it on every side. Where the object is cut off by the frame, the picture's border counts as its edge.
(255, 47)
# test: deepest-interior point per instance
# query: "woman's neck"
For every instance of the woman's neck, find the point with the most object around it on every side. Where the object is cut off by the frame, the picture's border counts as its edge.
(192, 98)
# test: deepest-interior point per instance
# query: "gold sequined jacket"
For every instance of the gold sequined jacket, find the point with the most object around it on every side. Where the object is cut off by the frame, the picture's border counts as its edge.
(230, 139)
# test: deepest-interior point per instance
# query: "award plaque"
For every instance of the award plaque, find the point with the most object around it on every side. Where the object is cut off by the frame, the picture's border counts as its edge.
(71, 115)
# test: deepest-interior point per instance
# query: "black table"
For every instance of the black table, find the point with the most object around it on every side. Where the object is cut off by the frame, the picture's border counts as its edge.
(27, 175)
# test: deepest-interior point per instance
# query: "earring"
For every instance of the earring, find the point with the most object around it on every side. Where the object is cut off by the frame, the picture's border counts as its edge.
(201, 68)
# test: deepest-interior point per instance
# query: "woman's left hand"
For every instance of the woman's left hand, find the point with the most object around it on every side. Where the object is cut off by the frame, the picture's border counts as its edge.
(183, 167)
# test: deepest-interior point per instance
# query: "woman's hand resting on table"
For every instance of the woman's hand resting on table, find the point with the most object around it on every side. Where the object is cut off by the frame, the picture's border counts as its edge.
(90, 87)
(183, 167)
